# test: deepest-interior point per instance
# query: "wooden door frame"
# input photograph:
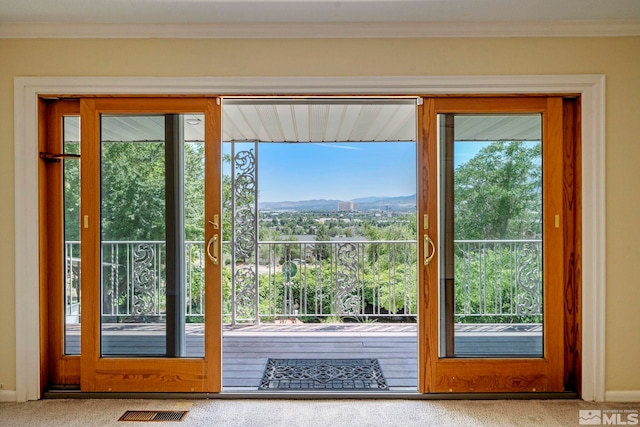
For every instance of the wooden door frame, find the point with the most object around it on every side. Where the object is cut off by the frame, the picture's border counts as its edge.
(444, 374)
(56, 367)
(428, 378)
(591, 88)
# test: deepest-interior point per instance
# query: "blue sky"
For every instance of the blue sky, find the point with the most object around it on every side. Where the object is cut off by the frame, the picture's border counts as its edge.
(343, 171)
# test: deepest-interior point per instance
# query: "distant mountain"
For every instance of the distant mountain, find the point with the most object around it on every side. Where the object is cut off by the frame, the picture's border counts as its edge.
(399, 203)
(369, 199)
(302, 205)
(381, 202)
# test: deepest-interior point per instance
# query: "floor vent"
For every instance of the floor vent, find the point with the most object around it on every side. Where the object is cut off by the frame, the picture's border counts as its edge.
(153, 416)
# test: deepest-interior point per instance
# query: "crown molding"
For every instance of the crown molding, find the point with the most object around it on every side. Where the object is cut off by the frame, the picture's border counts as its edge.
(285, 30)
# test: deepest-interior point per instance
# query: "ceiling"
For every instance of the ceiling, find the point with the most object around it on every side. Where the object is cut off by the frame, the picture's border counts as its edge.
(319, 121)
(212, 11)
(351, 15)
(348, 120)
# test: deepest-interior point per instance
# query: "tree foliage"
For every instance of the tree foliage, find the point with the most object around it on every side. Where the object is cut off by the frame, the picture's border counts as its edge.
(72, 193)
(498, 193)
(322, 250)
(194, 191)
(134, 190)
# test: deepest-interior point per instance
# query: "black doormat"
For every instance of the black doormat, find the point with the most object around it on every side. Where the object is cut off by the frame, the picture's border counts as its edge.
(323, 374)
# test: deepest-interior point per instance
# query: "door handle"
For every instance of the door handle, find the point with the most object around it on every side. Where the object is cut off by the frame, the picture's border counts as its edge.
(429, 249)
(214, 241)
(213, 257)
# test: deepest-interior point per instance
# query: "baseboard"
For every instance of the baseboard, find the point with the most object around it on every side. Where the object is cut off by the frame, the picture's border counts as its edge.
(7, 395)
(622, 396)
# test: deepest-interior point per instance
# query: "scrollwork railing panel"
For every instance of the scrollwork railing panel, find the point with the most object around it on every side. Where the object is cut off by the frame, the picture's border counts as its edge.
(529, 280)
(244, 231)
(347, 300)
(144, 279)
(496, 280)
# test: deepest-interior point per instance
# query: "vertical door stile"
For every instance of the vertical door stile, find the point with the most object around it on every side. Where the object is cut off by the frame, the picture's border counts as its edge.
(213, 272)
(427, 227)
(553, 218)
(90, 238)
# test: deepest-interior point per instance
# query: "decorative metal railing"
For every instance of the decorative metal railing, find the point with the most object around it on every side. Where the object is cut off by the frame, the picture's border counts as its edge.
(312, 281)
(315, 280)
(498, 281)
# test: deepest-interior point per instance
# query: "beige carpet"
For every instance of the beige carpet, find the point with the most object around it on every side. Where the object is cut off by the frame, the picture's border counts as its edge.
(307, 413)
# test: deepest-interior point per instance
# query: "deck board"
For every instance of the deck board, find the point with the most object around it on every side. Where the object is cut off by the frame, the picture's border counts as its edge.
(245, 353)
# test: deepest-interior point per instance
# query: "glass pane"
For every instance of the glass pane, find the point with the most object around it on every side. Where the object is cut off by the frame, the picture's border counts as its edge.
(152, 201)
(491, 242)
(71, 194)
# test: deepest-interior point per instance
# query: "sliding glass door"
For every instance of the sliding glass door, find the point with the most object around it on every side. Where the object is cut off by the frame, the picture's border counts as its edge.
(150, 197)
(492, 252)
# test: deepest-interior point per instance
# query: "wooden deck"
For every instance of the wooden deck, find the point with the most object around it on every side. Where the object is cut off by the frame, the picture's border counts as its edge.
(247, 348)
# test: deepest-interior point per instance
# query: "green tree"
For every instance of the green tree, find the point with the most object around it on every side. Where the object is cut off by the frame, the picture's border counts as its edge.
(322, 250)
(194, 191)
(498, 194)
(133, 191)
(290, 250)
(72, 193)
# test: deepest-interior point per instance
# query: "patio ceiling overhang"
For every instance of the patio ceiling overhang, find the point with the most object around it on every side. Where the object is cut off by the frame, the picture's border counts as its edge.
(316, 120)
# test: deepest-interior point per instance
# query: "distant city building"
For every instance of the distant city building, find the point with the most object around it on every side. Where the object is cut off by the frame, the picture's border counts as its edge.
(347, 207)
